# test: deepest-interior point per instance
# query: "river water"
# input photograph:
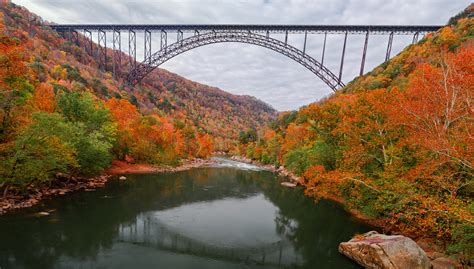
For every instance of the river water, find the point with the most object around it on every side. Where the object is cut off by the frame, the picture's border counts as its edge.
(229, 215)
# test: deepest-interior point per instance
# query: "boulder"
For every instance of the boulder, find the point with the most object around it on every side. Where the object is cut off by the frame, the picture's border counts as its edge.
(41, 214)
(288, 184)
(444, 263)
(374, 250)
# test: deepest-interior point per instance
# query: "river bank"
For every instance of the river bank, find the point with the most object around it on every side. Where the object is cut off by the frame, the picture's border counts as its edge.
(432, 248)
(64, 184)
(121, 167)
(227, 215)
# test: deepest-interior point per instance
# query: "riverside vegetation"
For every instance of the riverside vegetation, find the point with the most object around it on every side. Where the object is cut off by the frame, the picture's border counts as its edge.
(394, 144)
(60, 113)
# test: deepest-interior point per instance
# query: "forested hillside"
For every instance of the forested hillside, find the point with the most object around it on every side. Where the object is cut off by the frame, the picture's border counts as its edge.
(58, 62)
(396, 144)
(59, 112)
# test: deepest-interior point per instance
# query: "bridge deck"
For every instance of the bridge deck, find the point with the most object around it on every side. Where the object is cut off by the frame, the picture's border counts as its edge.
(257, 28)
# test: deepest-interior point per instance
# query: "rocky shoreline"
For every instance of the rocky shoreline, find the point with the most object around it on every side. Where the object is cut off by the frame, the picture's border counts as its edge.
(121, 167)
(64, 184)
(282, 171)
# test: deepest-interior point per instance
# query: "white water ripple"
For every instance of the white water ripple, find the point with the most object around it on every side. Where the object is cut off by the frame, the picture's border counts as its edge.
(222, 162)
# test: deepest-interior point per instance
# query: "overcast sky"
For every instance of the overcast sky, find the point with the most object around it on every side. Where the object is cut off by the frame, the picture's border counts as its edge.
(248, 69)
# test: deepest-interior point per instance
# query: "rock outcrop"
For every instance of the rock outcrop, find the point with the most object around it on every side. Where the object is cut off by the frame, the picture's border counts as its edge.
(374, 250)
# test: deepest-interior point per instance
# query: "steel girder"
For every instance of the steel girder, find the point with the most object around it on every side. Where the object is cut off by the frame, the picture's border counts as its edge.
(364, 52)
(102, 48)
(415, 37)
(132, 48)
(147, 52)
(74, 37)
(341, 67)
(88, 42)
(389, 47)
(198, 40)
(258, 28)
(324, 48)
(117, 52)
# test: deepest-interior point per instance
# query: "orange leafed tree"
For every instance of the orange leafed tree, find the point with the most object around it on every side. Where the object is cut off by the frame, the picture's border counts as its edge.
(12, 61)
(43, 98)
(437, 108)
(124, 113)
(128, 119)
(367, 131)
(206, 146)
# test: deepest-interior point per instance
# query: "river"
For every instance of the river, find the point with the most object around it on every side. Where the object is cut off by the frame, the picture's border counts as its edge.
(228, 215)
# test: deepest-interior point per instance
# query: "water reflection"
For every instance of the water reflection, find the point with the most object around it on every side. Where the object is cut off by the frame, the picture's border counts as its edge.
(203, 218)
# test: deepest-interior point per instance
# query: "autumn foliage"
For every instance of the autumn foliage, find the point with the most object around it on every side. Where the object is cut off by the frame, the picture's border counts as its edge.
(60, 113)
(395, 144)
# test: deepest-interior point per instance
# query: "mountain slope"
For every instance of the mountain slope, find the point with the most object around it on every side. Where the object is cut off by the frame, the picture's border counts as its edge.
(395, 144)
(220, 113)
(210, 109)
(61, 114)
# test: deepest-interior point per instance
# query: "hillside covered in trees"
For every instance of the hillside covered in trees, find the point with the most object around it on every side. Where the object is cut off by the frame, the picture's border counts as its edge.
(61, 113)
(395, 144)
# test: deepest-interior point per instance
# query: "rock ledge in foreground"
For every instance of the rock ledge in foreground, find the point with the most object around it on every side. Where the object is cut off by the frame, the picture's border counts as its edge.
(374, 250)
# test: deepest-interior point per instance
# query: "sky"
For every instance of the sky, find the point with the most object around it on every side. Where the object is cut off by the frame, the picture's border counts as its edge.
(251, 70)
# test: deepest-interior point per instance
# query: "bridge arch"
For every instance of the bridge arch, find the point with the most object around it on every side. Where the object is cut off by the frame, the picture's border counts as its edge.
(166, 53)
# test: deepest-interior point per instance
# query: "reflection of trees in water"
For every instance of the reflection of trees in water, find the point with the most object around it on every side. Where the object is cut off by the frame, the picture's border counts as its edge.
(85, 223)
(315, 229)
(285, 226)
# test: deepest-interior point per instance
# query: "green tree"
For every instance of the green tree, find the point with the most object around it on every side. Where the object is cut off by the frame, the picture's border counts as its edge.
(96, 132)
(43, 150)
(249, 136)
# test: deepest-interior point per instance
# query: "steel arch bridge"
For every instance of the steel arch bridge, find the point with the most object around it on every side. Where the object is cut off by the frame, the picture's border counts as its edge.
(202, 35)
(183, 45)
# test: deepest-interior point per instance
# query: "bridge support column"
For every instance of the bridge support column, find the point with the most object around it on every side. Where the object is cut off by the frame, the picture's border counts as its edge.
(324, 47)
(366, 43)
(196, 33)
(69, 35)
(102, 51)
(389, 46)
(74, 37)
(164, 40)
(147, 52)
(342, 58)
(304, 45)
(117, 53)
(286, 37)
(179, 37)
(415, 37)
(267, 34)
(132, 48)
(88, 41)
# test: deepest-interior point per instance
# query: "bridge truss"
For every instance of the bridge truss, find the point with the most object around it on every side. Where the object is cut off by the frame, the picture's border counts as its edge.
(201, 35)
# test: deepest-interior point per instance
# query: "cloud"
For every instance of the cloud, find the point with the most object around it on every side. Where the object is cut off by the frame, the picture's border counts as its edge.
(251, 70)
